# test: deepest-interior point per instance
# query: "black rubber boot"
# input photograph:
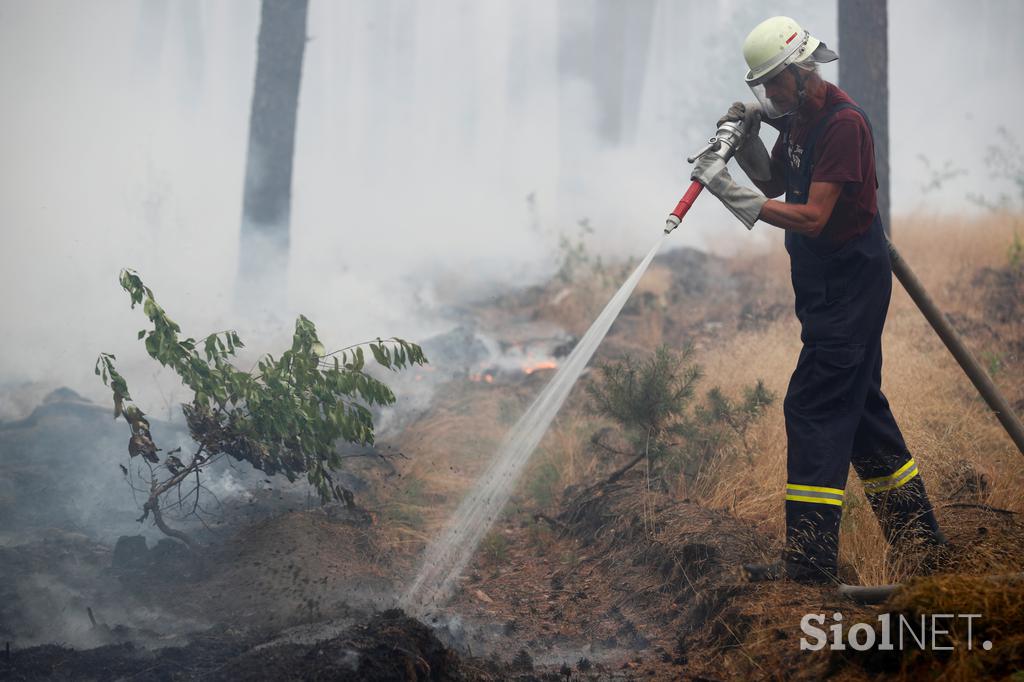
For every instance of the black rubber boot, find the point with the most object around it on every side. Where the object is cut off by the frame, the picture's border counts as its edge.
(908, 522)
(906, 515)
(812, 542)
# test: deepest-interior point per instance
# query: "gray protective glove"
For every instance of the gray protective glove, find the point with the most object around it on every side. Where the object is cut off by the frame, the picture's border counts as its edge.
(742, 202)
(751, 155)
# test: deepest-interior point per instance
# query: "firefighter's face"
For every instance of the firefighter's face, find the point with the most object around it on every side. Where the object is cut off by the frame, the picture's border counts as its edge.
(781, 90)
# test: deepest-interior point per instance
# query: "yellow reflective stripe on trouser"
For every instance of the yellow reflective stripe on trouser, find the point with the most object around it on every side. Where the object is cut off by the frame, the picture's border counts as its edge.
(894, 480)
(814, 493)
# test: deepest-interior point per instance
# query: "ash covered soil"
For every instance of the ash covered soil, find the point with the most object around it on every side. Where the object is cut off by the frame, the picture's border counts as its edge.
(621, 579)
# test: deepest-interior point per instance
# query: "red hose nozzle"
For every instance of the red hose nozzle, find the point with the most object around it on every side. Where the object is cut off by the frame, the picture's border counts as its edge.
(676, 216)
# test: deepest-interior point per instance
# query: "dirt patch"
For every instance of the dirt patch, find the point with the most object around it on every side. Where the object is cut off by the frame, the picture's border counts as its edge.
(633, 580)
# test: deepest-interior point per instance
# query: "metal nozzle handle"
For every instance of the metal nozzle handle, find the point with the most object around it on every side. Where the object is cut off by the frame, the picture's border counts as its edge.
(712, 144)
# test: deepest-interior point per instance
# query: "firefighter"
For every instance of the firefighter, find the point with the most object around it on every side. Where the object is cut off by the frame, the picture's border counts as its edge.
(835, 411)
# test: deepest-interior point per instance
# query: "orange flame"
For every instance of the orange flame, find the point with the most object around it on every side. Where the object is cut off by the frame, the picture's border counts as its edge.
(547, 364)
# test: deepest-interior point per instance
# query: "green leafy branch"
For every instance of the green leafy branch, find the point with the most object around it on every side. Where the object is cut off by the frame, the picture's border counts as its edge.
(284, 416)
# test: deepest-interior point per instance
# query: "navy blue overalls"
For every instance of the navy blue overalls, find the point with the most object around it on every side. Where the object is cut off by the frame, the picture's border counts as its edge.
(835, 410)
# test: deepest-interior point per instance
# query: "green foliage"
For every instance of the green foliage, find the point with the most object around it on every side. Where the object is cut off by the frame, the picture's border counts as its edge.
(283, 417)
(734, 419)
(653, 401)
(646, 396)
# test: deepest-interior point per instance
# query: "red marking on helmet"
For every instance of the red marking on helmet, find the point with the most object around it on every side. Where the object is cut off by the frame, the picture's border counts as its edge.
(790, 39)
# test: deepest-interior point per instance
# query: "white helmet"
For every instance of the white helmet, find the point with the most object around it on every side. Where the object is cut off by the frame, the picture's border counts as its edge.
(773, 45)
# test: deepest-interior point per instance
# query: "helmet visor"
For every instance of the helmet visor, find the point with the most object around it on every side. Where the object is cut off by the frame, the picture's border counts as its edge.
(768, 107)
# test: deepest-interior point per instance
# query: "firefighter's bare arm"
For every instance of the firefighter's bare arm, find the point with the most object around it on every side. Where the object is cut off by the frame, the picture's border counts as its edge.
(807, 219)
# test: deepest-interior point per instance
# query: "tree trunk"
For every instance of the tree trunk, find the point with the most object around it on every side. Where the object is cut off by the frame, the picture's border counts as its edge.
(266, 208)
(864, 74)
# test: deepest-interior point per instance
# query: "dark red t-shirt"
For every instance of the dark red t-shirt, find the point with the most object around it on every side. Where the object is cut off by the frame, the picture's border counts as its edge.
(844, 153)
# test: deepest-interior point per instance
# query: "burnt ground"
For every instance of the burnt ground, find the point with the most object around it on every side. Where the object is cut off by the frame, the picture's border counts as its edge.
(628, 582)
(386, 646)
(635, 587)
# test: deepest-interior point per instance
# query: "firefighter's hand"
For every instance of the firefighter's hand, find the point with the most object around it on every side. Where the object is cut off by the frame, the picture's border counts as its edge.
(749, 114)
(751, 154)
(708, 167)
(735, 113)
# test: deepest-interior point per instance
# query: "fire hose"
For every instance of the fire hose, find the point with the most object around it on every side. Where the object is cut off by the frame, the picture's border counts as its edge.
(724, 144)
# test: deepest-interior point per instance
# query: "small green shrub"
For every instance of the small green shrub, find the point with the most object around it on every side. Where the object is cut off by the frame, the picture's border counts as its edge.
(653, 401)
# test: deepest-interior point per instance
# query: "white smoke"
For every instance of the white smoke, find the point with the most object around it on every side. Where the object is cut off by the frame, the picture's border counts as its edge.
(422, 130)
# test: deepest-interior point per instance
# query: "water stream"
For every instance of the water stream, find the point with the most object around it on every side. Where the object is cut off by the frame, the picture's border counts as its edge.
(447, 556)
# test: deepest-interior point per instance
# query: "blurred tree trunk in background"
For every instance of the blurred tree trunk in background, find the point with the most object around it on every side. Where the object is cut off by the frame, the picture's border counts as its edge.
(266, 207)
(864, 74)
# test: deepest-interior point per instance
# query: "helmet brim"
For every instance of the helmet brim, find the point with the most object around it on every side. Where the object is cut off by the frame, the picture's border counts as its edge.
(823, 55)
